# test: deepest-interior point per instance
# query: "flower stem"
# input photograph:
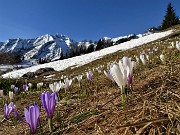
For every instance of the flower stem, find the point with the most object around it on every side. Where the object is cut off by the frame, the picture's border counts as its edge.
(50, 124)
(123, 95)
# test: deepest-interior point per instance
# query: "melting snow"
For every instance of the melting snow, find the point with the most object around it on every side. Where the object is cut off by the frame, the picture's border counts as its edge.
(87, 58)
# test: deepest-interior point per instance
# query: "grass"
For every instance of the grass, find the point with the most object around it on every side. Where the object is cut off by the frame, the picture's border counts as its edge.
(152, 108)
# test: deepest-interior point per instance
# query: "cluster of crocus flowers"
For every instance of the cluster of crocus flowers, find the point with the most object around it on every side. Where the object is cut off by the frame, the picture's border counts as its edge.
(55, 87)
(122, 75)
(14, 88)
(39, 85)
(32, 117)
(8, 109)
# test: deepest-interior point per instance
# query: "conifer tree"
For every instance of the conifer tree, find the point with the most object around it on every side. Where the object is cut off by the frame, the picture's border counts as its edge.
(170, 18)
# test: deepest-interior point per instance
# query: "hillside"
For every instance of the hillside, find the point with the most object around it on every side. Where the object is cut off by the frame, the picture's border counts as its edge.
(86, 58)
(96, 108)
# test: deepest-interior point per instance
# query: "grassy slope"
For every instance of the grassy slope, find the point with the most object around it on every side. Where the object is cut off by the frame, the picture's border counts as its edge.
(152, 108)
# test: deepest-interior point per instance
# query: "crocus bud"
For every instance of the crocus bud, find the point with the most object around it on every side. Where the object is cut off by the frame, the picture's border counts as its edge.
(1, 93)
(30, 85)
(147, 56)
(10, 95)
(79, 78)
(178, 45)
(162, 57)
(143, 59)
(12, 87)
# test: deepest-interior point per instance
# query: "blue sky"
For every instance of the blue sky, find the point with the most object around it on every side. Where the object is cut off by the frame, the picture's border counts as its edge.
(80, 19)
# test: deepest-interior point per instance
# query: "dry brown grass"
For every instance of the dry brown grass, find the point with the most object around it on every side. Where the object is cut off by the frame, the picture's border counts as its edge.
(152, 108)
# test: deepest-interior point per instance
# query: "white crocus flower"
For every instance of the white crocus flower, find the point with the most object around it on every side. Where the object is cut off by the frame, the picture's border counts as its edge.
(11, 95)
(79, 78)
(178, 45)
(12, 87)
(67, 83)
(143, 59)
(39, 85)
(55, 87)
(30, 85)
(162, 57)
(27, 88)
(147, 56)
(1, 93)
(61, 84)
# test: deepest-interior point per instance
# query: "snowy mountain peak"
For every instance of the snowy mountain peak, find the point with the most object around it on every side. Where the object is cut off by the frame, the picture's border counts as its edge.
(45, 46)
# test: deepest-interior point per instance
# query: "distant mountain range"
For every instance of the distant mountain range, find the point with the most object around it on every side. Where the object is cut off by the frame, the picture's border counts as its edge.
(55, 47)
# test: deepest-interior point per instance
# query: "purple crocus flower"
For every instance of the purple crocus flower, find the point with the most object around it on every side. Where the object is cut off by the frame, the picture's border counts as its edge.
(25, 87)
(49, 102)
(15, 89)
(32, 117)
(11, 108)
(8, 109)
(89, 76)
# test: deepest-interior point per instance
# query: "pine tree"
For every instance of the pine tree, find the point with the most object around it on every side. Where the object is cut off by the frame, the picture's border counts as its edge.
(99, 45)
(170, 18)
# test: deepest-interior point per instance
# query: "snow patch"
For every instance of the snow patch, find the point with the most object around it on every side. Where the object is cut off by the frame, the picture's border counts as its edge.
(87, 58)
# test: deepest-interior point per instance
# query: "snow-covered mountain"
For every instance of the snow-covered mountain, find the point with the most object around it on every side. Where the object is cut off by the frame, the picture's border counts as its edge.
(55, 47)
(87, 58)
(47, 46)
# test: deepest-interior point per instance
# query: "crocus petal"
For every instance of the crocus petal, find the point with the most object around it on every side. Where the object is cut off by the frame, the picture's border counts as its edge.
(26, 114)
(51, 87)
(18, 116)
(37, 112)
(44, 101)
(5, 110)
(126, 61)
(117, 75)
(32, 115)
(57, 87)
(52, 103)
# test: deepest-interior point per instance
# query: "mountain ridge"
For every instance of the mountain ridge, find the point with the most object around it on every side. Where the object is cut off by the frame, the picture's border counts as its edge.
(54, 47)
